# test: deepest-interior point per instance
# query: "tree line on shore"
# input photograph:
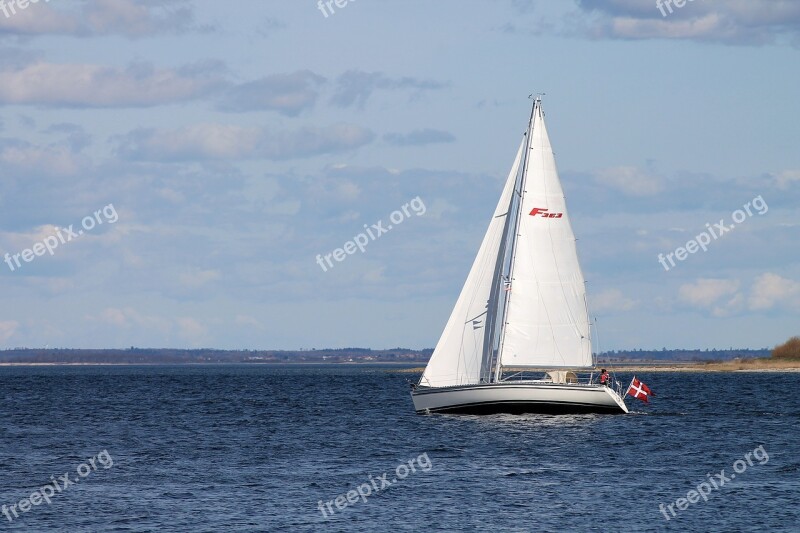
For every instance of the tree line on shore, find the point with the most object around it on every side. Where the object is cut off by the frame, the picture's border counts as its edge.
(788, 350)
(134, 355)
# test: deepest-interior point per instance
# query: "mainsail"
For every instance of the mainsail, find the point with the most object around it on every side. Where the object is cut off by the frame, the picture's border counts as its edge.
(547, 322)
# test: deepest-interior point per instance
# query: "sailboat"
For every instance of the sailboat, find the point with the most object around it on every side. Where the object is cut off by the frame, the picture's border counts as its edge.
(518, 339)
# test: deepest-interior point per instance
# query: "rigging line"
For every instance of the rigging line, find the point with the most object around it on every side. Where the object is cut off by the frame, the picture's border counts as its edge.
(492, 355)
(497, 274)
(519, 188)
(480, 274)
(552, 248)
(586, 309)
(492, 303)
(462, 359)
(566, 299)
(597, 334)
(470, 320)
(575, 249)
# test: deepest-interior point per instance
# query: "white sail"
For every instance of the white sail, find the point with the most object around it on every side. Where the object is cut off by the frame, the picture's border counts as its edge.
(547, 323)
(525, 294)
(459, 352)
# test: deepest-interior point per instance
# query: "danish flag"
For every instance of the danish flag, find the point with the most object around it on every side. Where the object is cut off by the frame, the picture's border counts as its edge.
(639, 390)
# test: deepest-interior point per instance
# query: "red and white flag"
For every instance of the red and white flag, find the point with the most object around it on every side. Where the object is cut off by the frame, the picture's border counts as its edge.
(639, 390)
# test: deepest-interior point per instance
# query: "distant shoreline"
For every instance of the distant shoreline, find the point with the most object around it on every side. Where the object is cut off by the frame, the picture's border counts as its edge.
(754, 365)
(183, 356)
(300, 363)
(744, 365)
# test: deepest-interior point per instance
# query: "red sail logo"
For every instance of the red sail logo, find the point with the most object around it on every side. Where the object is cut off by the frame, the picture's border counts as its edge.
(544, 213)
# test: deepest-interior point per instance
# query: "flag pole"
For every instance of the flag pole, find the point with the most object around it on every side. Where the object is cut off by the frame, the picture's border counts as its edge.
(629, 387)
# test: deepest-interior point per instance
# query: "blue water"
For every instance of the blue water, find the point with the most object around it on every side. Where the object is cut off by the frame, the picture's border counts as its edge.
(257, 448)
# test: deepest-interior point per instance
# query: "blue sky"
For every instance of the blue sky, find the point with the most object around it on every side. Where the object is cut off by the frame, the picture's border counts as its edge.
(238, 140)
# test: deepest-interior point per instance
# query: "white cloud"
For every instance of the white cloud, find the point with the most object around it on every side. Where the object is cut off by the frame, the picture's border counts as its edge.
(95, 17)
(743, 22)
(720, 296)
(114, 316)
(630, 180)
(419, 137)
(611, 300)
(50, 285)
(288, 94)
(198, 278)
(21, 157)
(249, 321)
(354, 87)
(785, 179)
(706, 292)
(440, 209)
(131, 18)
(200, 141)
(132, 323)
(37, 19)
(18, 240)
(346, 190)
(127, 317)
(221, 141)
(771, 290)
(191, 330)
(729, 306)
(8, 329)
(87, 85)
(375, 275)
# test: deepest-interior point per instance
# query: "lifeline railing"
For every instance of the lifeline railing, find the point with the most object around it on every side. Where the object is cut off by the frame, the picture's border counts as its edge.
(541, 375)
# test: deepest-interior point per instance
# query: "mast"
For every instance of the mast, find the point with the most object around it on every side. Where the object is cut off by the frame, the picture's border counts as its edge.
(494, 296)
(510, 244)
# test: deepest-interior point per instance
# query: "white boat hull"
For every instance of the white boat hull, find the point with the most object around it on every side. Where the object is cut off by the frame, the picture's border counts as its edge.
(518, 397)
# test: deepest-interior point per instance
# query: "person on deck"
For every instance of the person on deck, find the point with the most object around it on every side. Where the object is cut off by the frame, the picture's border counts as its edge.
(605, 379)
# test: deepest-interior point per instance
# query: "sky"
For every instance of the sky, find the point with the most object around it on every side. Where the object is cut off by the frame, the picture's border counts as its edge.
(173, 173)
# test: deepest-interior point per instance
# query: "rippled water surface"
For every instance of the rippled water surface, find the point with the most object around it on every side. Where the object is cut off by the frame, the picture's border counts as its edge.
(263, 448)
